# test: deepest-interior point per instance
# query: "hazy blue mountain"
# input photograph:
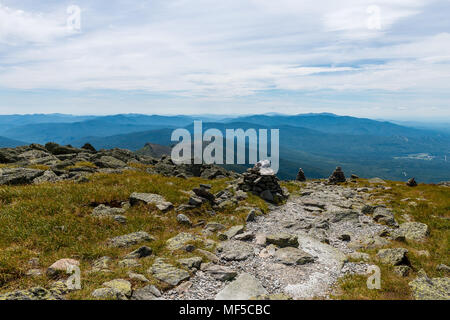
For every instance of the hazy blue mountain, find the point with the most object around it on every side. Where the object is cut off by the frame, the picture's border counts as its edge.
(330, 123)
(315, 142)
(10, 143)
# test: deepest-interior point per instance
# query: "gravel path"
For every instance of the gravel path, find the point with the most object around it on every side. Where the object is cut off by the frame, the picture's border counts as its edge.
(323, 213)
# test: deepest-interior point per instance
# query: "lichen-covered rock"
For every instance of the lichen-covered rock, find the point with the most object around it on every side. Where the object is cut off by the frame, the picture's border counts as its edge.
(110, 162)
(413, 231)
(235, 250)
(17, 176)
(394, 257)
(282, 240)
(149, 292)
(384, 215)
(101, 264)
(424, 288)
(131, 239)
(293, 256)
(191, 263)
(61, 266)
(120, 285)
(168, 273)
(183, 219)
(139, 253)
(243, 288)
(151, 198)
(272, 297)
(105, 211)
(180, 240)
(108, 294)
(36, 293)
(220, 273)
(402, 271)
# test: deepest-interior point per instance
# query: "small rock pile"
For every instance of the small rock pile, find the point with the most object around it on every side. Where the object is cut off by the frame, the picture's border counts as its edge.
(337, 176)
(411, 182)
(262, 181)
(301, 175)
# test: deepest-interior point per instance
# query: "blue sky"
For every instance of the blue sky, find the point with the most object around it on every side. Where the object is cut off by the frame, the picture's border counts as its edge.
(377, 59)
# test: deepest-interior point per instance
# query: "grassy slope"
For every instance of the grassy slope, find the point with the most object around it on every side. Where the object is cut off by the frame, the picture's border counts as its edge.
(31, 220)
(433, 209)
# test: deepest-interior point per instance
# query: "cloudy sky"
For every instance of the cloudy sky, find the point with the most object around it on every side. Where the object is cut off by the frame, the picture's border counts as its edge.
(378, 59)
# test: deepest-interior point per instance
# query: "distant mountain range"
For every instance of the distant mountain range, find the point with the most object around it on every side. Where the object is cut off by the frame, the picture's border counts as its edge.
(315, 142)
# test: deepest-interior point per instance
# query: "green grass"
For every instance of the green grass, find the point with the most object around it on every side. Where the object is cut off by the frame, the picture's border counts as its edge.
(52, 221)
(433, 210)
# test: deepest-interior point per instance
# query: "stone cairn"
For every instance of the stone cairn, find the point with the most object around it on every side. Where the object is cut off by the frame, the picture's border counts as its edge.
(301, 175)
(411, 182)
(337, 176)
(262, 181)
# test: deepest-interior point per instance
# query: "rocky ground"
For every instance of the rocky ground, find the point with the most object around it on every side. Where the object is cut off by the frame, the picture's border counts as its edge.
(228, 248)
(301, 249)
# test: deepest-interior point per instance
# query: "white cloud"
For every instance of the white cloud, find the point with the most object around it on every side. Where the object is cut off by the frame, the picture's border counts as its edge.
(225, 50)
(18, 26)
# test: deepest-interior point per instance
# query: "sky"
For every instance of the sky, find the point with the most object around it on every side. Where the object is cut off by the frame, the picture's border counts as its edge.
(379, 59)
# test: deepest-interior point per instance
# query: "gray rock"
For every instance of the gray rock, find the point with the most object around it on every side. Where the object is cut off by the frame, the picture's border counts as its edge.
(105, 211)
(142, 252)
(293, 256)
(394, 257)
(130, 239)
(414, 231)
(235, 250)
(233, 231)
(214, 227)
(267, 195)
(137, 277)
(402, 271)
(246, 236)
(191, 263)
(183, 219)
(110, 162)
(251, 216)
(151, 198)
(180, 240)
(443, 267)
(243, 288)
(220, 273)
(48, 176)
(384, 215)
(149, 292)
(108, 293)
(18, 176)
(282, 240)
(120, 285)
(168, 273)
(424, 288)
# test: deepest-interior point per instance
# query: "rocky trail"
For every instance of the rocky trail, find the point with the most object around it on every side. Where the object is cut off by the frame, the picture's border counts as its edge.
(298, 250)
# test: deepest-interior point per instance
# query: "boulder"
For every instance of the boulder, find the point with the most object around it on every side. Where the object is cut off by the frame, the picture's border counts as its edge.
(411, 182)
(108, 293)
(149, 292)
(180, 240)
(119, 285)
(129, 240)
(191, 263)
(183, 219)
(424, 288)
(110, 162)
(384, 215)
(413, 231)
(105, 211)
(293, 256)
(18, 176)
(220, 273)
(150, 198)
(235, 250)
(61, 267)
(168, 273)
(282, 240)
(243, 288)
(393, 257)
(139, 253)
